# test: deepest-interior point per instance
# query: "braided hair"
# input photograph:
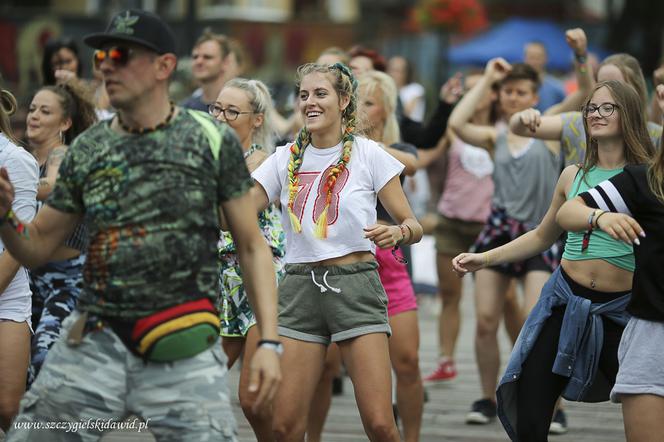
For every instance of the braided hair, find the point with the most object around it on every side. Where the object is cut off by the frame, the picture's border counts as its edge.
(346, 86)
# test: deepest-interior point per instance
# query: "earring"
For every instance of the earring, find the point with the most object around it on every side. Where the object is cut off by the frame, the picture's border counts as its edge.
(62, 138)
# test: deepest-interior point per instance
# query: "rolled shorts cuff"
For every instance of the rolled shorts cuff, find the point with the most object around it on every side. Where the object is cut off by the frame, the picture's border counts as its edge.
(361, 331)
(620, 390)
(300, 336)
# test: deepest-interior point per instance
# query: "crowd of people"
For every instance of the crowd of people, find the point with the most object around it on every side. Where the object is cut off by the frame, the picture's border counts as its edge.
(148, 246)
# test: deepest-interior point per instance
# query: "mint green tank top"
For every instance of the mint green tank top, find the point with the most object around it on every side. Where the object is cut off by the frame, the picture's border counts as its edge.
(601, 245)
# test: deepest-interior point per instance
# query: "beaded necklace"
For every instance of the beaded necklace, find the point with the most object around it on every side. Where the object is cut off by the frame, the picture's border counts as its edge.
(145, 130)
(253, 148)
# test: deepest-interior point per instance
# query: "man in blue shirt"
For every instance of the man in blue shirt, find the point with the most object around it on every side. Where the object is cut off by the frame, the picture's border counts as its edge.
(551, 91)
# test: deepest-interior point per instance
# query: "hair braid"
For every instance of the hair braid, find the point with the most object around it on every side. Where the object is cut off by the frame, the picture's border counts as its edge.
(348, 122)
(294, 163)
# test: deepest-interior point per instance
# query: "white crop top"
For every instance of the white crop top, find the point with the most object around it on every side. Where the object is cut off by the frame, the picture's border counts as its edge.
(353, 204)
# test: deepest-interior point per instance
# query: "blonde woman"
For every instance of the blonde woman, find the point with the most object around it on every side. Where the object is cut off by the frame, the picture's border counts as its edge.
(328, 183)
(246, 106)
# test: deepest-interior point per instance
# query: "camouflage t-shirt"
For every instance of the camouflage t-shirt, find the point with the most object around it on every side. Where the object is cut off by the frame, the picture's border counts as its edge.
(151, 207)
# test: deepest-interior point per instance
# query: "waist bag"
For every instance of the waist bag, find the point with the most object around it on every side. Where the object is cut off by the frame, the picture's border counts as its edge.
(175, 333)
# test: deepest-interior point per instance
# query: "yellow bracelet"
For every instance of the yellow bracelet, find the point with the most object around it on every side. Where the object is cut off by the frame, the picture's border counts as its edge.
(487, 260)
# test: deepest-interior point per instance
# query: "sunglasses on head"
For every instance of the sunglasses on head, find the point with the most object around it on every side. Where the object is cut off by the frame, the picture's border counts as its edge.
(119, 55)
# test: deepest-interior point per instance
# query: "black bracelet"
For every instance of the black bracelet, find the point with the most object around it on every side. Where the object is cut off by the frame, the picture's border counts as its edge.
(598, 217)
(271, 344)
(581, 58)
(268, 341)
(410, 237)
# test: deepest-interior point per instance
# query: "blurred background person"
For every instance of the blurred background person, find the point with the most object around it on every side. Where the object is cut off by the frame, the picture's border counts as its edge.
(210, 68)
(411, 94)
(56, 116)
(246, 107)
(551, 90)
(61, 61)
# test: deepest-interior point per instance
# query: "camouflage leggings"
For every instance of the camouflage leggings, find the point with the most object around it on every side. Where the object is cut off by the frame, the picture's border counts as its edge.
(55, 289)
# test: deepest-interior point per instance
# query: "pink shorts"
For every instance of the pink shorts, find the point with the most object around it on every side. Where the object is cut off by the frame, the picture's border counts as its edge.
(395, 280)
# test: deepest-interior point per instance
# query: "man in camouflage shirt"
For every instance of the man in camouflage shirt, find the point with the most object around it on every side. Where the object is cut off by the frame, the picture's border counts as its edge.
(149, 184)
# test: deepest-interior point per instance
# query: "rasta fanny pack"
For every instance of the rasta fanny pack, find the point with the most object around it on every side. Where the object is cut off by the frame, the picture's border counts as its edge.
(175, 333)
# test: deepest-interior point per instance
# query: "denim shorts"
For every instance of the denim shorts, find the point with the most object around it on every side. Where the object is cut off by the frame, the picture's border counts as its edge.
(326, 304)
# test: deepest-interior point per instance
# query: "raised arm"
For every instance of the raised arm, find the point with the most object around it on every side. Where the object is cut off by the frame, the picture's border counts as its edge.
(527, 245)
(577, 41)
(459, 122)
(426, 157)
(426, 137)
(531, 123)
(260, 281)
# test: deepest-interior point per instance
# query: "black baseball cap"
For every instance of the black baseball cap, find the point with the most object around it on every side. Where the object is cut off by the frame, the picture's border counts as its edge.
(136, 26)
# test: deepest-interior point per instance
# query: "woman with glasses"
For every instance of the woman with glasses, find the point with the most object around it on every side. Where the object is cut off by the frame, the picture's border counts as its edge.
(57, 114)
(246, 106)
(569, 342)
(637, 195)
(568, 128)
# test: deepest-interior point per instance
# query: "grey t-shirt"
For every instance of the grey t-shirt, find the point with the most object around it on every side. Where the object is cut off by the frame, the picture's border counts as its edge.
(525, 181)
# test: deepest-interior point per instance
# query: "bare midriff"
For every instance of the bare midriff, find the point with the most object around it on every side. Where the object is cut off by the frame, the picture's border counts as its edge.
(599, 275)
(351, 258)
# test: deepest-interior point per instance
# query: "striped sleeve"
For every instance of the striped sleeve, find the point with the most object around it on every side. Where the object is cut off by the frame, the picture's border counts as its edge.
(617, 194)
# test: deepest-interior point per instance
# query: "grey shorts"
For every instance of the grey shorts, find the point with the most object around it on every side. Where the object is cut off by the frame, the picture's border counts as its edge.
(100, 381)
(641, 360)
(326, 304)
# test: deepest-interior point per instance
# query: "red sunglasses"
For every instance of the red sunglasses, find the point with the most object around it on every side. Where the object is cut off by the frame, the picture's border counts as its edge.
(119, 55)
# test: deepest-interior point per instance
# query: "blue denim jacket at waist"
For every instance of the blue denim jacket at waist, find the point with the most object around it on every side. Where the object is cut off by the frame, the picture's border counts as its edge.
(579, 347)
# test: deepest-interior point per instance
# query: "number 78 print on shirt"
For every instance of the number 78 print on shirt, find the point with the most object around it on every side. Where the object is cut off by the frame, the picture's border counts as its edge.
(306, 182)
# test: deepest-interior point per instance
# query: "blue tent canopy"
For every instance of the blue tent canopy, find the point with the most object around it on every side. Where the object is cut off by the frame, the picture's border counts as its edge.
(508, 39)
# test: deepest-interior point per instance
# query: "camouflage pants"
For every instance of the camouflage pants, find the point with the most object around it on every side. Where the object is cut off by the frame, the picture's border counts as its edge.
(55, 290)
(100, 380)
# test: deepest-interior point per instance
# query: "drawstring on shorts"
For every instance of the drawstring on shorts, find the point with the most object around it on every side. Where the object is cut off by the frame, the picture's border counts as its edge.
(322, 287)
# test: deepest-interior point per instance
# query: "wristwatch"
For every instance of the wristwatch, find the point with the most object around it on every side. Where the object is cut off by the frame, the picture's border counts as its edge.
(273, 345)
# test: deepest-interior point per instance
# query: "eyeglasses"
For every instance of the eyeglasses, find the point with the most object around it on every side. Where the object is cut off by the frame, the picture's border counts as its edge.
(229, 114)
(604, 109)
(119, 55)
